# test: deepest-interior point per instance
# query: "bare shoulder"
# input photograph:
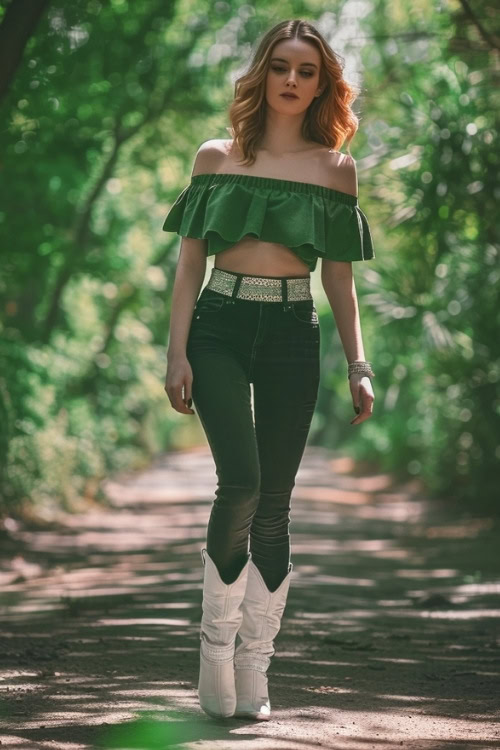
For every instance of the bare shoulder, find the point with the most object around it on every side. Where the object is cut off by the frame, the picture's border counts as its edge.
(341, 172)
(210, 156)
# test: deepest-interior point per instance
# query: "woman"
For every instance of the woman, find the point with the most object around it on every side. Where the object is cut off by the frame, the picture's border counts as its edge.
(267, 204)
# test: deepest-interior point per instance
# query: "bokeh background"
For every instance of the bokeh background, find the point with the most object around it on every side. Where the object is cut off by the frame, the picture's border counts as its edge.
(103, 106)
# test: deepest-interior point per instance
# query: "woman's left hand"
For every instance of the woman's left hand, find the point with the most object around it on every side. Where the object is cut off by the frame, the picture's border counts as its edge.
(362, 397)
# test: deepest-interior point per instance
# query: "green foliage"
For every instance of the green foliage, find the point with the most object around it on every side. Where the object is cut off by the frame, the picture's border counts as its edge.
(434, 290)
(151, 730)
(103, 116)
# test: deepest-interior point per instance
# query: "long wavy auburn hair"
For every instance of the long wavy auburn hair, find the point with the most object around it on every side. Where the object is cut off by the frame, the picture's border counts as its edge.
(329, 119)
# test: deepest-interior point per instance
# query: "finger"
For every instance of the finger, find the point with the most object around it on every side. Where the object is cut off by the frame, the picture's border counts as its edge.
(367, 400)
(183, 408)
(358, 420)
(188, 399)
(356, 397)
(177, 402)
(365, 414)
(362, 417)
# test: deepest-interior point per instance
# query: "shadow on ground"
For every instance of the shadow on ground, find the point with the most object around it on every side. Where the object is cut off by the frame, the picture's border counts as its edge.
(390, 636)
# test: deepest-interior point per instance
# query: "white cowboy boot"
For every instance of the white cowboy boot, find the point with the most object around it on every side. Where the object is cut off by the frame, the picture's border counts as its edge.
(262, 613)
(220, 621)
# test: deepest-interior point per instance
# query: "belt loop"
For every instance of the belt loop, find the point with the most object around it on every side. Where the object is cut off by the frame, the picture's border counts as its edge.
(236, 287)
(284, 290)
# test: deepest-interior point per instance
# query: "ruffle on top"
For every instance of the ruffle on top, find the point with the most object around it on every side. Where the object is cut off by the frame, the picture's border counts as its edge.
(311, 220)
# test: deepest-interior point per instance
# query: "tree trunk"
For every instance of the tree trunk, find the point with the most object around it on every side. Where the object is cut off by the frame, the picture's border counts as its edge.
(19, 23)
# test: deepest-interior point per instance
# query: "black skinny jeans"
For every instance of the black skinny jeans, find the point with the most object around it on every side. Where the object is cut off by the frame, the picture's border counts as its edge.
(274, 345)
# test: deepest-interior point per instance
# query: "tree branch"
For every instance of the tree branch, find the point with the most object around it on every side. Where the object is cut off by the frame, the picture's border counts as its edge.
(488, 38)
(18, 25)
(81, 226)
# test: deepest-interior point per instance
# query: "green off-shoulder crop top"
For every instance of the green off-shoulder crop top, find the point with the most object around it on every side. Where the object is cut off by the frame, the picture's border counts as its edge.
(311, 220)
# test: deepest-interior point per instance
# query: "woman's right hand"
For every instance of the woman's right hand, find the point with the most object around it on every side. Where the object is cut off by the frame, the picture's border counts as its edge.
(179, 376)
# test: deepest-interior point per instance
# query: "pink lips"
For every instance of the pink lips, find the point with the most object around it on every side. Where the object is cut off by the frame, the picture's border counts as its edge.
(290, 96)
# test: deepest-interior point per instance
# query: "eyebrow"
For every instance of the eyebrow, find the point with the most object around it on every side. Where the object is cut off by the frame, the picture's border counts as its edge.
(282, 59)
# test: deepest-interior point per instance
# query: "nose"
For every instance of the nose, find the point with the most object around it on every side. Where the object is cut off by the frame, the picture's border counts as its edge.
(291, 78)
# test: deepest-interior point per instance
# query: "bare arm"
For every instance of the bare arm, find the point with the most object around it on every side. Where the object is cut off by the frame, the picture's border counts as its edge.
(338, 282)
(189, 275)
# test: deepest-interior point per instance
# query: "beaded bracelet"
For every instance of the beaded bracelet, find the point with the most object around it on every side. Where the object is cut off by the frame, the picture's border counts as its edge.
(360, 367)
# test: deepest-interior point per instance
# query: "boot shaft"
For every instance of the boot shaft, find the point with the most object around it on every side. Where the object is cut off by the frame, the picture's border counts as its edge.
(220, 621)
(262, 613)
(221, 605)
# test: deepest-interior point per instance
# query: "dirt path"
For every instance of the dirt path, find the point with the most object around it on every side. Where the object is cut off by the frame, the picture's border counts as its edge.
(390, 636)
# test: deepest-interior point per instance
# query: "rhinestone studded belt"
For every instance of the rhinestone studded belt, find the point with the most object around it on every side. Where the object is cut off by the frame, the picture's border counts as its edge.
(260, 288)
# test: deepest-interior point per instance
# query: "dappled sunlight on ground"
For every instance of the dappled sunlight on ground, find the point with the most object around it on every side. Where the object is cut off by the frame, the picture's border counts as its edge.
(390, 636)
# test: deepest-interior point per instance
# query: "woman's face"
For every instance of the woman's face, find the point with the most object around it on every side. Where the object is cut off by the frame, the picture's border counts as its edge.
(294, 68)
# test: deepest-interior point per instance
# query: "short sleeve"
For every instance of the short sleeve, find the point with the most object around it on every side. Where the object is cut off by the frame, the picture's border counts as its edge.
(174, 217)
(349, 237)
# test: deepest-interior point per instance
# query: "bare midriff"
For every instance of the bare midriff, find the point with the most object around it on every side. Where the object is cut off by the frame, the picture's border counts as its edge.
(250, 255)
(256, 258)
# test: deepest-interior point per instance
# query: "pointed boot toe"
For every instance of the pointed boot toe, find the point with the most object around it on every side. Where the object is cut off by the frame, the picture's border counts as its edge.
(252, 695)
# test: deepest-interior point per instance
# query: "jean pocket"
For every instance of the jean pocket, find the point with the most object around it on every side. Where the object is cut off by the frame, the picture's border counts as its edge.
(208, 305)
(305, 314)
